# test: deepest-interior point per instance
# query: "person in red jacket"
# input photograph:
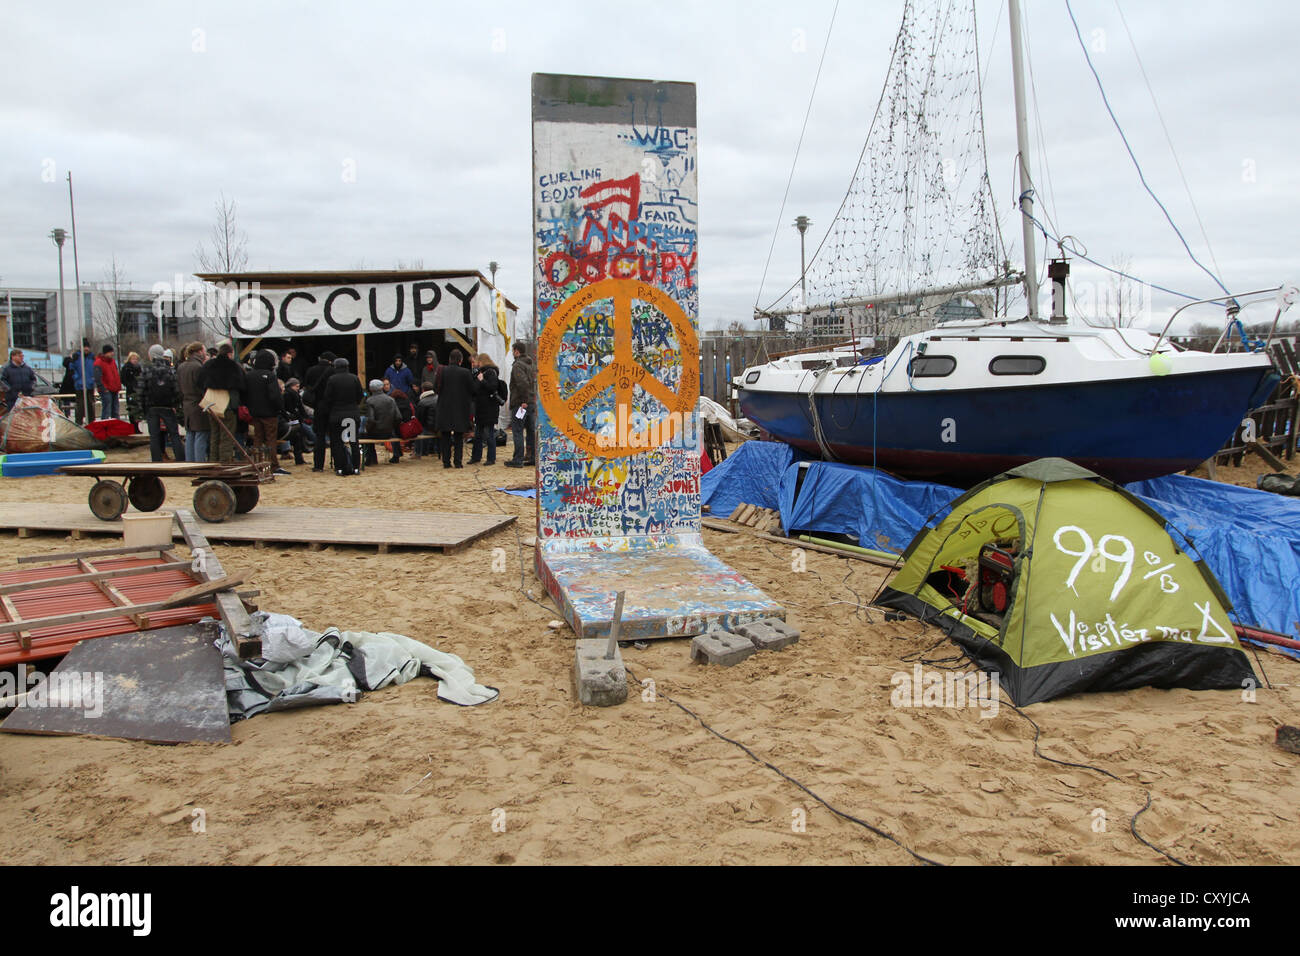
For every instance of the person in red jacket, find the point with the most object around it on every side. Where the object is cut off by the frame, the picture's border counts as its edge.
(108, 381)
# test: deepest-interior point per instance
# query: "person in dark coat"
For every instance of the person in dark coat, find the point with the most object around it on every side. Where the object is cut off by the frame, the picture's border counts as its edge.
(318, 377)
(295, 415)
(382, 418)
(426, 410)
(323, 367)
(198, 423)
(81, 365)
(131, 370)
(523, 393)
(223, 373)
(487, 409)
(161, 396)
(455, 407)
(265, 403)
(284, 371)
(17, 379)
(429, 370)
(342, 396)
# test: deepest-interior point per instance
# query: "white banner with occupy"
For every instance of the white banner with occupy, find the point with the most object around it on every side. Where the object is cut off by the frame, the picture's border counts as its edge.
(459, 302)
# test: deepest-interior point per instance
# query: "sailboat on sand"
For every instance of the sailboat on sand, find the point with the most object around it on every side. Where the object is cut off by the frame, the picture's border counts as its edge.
(966, 399)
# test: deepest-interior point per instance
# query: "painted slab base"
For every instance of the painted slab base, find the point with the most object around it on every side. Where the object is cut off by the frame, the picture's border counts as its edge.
(673, 589)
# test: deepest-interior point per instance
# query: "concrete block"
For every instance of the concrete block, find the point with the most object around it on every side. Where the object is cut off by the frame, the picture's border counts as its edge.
(769, 634)
(721, 647)
(600, 682)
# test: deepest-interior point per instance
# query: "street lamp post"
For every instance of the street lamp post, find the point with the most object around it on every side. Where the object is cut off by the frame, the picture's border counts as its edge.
(59, 236)
(492, 268)
(802, 223)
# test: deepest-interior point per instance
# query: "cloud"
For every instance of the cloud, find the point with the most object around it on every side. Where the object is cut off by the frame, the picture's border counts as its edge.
(160, 108)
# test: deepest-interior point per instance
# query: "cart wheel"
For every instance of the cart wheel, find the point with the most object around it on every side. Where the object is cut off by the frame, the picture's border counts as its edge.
(146, 492)
(107, 500)
(214, 501)
(246, 497)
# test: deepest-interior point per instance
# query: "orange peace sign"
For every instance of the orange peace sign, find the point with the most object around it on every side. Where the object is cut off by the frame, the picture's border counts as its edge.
(623, 372)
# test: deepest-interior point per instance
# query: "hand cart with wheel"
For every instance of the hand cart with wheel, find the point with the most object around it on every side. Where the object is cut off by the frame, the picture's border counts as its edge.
(221, 489)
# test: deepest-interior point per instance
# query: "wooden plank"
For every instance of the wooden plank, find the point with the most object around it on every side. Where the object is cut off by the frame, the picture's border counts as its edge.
(159, 469)
(296, 526)
(191, 595)
(810, 546)
(720, 374)
(1263, 451)
(1292, 362)
(11, 612)
(706, 368)
(95, 576)
(109, 591)
(121, 600)
(202, 589)
(718, 524)
(73, 555)
(234, 615)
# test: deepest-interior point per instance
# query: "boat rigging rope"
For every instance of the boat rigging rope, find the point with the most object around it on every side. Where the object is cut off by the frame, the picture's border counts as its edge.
(893, 56)
(1136, 165)
(807, 114)
(818, 433)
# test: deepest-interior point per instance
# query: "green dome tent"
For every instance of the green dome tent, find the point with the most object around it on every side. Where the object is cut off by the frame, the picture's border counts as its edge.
(1061, 581)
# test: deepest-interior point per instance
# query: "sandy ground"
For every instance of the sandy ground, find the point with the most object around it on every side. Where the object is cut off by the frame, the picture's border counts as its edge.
(536, 778)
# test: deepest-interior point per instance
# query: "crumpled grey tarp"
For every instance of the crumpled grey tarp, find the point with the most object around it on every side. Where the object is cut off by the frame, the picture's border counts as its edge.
(303, 668)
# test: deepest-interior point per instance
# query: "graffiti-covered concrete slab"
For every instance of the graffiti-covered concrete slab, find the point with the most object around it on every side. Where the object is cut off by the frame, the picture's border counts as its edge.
(615, 208)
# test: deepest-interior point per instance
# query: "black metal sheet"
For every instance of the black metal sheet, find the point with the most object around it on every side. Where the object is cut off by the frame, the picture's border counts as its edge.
(166, 686)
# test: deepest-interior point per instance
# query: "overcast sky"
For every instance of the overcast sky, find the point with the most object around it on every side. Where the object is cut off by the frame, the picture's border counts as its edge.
(158, 109)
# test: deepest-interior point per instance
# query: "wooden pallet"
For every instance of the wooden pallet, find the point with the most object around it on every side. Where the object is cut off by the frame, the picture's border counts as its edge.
(760, 519)
(314, 527)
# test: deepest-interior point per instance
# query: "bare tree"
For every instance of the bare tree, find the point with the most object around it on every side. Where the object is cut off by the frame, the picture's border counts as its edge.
(1125, 299)
(228, 251)
(109, 319)
(225, 252)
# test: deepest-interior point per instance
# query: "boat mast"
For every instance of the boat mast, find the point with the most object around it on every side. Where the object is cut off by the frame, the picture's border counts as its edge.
(1022, 146)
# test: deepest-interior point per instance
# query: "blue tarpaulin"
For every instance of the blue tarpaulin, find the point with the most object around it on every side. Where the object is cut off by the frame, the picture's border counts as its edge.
(883, 512)
(1250, 539)
(751, 475)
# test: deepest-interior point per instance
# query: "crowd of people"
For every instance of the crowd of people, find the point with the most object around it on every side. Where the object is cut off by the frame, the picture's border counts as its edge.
(221, 403)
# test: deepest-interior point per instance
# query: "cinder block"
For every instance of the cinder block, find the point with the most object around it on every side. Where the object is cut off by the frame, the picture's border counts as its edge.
(721, 647)
(769, 634)
(601, 682)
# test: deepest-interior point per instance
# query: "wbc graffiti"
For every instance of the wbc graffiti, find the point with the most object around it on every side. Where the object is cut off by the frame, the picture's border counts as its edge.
(617, 305)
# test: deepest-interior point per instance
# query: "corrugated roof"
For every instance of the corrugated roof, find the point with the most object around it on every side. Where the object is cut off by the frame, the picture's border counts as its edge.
(86, 596)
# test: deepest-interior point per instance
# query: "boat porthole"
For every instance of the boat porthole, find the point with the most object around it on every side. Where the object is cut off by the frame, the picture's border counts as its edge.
(751, 378)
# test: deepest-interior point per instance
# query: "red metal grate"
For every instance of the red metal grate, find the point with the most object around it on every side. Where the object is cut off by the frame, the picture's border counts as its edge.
(79, 596)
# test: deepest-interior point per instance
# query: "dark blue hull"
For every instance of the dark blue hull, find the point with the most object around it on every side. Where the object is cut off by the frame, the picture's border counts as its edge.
(1126, 430)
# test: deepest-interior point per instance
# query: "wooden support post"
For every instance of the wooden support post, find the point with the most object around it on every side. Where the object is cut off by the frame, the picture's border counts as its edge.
(1261, 449)
(234, 615)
